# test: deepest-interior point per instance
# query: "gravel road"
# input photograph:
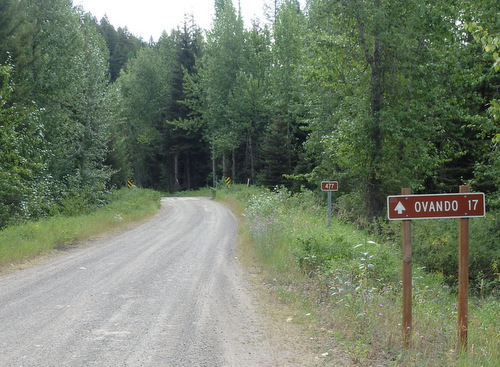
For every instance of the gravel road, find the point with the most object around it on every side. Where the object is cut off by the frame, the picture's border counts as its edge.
(167, 292)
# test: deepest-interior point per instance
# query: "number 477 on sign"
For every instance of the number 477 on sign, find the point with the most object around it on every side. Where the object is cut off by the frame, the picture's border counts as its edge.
(329, 185)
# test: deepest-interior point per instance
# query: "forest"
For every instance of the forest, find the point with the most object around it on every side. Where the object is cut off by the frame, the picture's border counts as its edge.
(375, 94)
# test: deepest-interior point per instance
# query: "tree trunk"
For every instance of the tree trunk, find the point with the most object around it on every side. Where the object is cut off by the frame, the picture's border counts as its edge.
(289, 145)
(374, 200)
(188, 172)
(224, 168)
(214, 177)
(252, 163)
(233, 167)
(176, 172)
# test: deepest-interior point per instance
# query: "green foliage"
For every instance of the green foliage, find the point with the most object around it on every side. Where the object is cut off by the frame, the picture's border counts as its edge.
(275, 151)
(352, 284)
(377, 95)
(56, 110)
(485, 31)
(286, 96)
(490, 42)
(376, 77)
(314, 250)
(121, 44)
(26, 241)
(218, 79)
(162, 153)
(21, 161)
(435, 246)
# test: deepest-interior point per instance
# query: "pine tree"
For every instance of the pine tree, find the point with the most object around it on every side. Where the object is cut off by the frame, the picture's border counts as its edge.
(275, 152)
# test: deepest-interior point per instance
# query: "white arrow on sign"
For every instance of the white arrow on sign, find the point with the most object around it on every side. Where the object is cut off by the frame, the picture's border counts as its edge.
(399, 208)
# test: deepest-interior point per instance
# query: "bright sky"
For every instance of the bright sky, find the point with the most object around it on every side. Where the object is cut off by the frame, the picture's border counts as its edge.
(147, 18)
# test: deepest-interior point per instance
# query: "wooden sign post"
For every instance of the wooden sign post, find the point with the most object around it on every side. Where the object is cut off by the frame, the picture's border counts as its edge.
(463, 277)
(407, 277)
(463, 205)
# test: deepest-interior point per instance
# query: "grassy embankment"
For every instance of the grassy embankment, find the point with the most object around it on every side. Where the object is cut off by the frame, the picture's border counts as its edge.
(343, 285)
(31, 239)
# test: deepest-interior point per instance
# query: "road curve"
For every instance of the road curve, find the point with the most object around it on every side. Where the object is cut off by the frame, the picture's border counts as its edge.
(167, 292)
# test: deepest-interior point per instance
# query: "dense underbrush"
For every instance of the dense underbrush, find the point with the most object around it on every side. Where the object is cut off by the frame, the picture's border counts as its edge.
(352, 279)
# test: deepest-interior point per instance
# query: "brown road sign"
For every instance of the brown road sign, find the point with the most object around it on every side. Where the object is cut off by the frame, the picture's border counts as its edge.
(329, 186)
(464, 205)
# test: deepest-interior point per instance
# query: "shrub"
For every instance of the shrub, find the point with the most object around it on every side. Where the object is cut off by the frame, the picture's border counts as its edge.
(315, 249)
(435, 246)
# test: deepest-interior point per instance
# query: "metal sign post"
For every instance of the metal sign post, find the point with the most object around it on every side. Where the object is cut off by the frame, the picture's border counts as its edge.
(329, 194)
(329, 186)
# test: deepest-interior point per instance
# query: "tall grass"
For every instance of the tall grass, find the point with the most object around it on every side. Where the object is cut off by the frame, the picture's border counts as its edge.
(352, 281)
(29, 240)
